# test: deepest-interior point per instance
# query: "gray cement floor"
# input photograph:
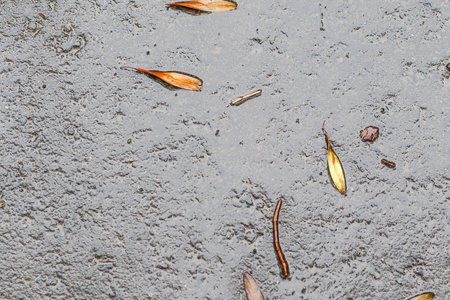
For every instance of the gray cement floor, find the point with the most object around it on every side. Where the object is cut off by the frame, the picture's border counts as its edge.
(185, 209)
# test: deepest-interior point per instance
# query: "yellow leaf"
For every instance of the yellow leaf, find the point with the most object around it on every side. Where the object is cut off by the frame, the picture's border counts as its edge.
(335, 169)
(178, 79)
(207, 5)
(424, 296)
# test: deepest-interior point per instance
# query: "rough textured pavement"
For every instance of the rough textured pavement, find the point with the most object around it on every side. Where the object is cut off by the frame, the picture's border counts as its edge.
(185, 209)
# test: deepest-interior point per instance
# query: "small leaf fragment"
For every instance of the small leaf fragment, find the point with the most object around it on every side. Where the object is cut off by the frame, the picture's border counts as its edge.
(335, 169)
(388, 163)
(424, 296)
(207, 5)
(370, 133)
(178, 79)
(251, 288)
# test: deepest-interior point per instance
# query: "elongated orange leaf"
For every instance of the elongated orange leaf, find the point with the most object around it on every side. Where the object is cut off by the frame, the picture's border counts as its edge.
(424, 296)
(178, 79)
(335, 169)
(207, 5)
(251, 288)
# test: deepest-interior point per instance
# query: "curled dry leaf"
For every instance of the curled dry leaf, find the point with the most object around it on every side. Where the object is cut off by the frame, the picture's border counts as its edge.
(424, 296)
(242, 99)
(178, 79)
(388, 163)
(335, 169)
(370, 133)
(207, 5)
(251, 288)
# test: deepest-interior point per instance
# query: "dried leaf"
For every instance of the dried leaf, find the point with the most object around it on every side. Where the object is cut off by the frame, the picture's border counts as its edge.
(370, 133)
(424, 296)
(242, 99)
(388, 163)
(335, 169)
(207, 5)
(251, 288)
(178, 79)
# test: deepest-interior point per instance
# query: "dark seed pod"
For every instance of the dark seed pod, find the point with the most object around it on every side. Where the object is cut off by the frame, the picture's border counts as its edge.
(387, 163)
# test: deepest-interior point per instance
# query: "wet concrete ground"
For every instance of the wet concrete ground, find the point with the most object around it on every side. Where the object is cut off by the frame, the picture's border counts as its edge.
(185, 209)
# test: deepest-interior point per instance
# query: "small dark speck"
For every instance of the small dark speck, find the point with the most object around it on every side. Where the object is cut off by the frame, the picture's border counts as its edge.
(297, 121)
(448, 67)
(148, 52)
(217, 132)
(44, 86)
(320, 173)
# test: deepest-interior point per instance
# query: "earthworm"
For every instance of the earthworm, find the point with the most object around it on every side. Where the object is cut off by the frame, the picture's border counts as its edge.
(276, 241)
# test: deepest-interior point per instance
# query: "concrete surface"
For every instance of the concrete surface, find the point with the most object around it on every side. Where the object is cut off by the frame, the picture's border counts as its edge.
(185, 209)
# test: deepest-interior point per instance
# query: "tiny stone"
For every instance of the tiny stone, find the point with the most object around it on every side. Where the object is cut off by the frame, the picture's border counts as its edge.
(129, 141)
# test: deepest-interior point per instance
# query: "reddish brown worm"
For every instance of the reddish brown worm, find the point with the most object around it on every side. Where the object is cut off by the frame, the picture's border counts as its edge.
(276, 242)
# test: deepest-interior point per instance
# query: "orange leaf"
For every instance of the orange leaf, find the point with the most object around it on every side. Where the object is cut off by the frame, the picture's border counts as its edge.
(207, 5)
(178, 79)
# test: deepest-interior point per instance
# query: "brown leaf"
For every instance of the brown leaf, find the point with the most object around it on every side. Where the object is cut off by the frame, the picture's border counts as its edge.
(251, 288)
(207, 5)
(178, 79)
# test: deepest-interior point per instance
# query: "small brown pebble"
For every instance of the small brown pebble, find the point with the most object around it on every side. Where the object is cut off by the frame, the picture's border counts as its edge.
(387, 163)
(370, 133)
(448, 67)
